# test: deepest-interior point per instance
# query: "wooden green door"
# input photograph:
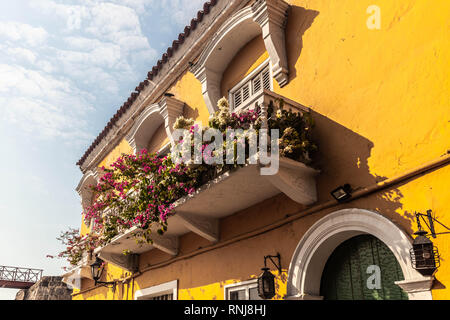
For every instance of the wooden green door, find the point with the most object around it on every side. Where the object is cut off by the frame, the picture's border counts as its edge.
(362, 268)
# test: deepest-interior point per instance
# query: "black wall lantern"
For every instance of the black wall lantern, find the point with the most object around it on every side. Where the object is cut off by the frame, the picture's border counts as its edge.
(266, 281)
(424, 255)
(97, 271)
(342, 193)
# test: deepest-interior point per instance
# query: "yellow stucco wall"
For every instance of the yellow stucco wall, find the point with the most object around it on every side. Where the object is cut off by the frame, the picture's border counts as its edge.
(189, 90)
(383, 92)
(397, 75)
(122, 147)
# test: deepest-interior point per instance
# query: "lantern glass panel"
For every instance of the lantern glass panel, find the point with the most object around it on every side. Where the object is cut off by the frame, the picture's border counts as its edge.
(96, 269)
(424, 256)
(266, 284)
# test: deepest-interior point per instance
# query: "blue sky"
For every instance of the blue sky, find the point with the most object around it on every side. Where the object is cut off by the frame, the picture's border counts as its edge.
(65, 68)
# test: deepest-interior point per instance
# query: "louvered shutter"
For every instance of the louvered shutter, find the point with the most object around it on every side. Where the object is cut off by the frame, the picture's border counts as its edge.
(266, 79)
(251, 88)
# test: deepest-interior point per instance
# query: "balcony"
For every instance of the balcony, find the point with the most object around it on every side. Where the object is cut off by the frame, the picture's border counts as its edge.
(223, 196)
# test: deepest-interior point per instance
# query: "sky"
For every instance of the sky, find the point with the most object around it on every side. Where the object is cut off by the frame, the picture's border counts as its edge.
(65, 69)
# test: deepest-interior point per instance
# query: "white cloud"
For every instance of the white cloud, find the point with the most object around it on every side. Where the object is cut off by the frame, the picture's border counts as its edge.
(42, 105)
(19, 81)
(22, 54)
(45, 66)
(44, 120)
(182, 11)
(29, 35)
(101, 41)
(71, 14)
(49, 81)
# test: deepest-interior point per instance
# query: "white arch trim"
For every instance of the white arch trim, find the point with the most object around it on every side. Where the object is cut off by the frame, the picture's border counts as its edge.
(165, 112)
(84, 190)
(266, 17)
(313, 250)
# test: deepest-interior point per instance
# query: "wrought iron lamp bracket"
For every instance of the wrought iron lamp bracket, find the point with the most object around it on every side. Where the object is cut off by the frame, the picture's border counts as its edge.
(278, 266)
(430, 223)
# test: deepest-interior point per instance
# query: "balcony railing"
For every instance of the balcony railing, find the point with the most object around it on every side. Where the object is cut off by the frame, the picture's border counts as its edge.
(223, 196)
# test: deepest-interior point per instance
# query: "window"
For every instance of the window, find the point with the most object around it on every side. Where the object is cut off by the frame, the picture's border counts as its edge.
(247, 290)
(168, 296)
(251, 87)
(164, 291)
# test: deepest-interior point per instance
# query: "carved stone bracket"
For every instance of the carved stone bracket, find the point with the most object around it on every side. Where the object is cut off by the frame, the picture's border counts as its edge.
(73, 277)
(170, 109)
(265, 17)
(129, 262)
(271, 17)
(205, 227)
(417, 289)
(210, 87)
(295, 180)
(166, 244)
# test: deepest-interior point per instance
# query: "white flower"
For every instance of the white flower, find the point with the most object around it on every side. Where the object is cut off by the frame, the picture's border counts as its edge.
(223, 103)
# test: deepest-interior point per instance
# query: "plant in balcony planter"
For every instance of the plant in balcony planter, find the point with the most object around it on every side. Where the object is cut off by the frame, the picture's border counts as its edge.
(136, 191)
(295, 132)
(77, 246)
(139, 190)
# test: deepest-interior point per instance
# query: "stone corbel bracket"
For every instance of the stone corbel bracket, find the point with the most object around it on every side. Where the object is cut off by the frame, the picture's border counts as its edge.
(296, 180)
(210, 81)
(206, 227)
(129, 262)
(82, 270)
(73, 277)
(167, 244)
(170, 109)
(418, 288)
(272, 18)
(165, 112)
(265, 17)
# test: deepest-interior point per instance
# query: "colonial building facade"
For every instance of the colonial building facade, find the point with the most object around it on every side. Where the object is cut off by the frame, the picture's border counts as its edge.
(373, 75)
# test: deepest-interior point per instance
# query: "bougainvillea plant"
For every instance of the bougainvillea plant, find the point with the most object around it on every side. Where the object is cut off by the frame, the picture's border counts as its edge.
(139, 190)
(76, 245)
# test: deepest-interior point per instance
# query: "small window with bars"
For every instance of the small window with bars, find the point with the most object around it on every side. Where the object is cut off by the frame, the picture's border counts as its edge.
(243, 96)
(168, 296)
(242, 291)
(164, 291)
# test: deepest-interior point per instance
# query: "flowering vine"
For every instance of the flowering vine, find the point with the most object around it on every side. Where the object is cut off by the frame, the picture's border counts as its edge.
(139, 190)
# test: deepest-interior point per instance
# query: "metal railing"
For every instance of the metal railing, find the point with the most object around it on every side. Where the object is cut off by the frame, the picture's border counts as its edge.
(16, 274)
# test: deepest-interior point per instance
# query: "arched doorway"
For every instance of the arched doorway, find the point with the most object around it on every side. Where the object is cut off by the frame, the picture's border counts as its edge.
(325, 235)
(362, 268)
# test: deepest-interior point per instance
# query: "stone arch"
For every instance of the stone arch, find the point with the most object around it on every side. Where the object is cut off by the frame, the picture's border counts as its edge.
(165, 112)
(325, 235)
(266, 17)
(84, 190)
